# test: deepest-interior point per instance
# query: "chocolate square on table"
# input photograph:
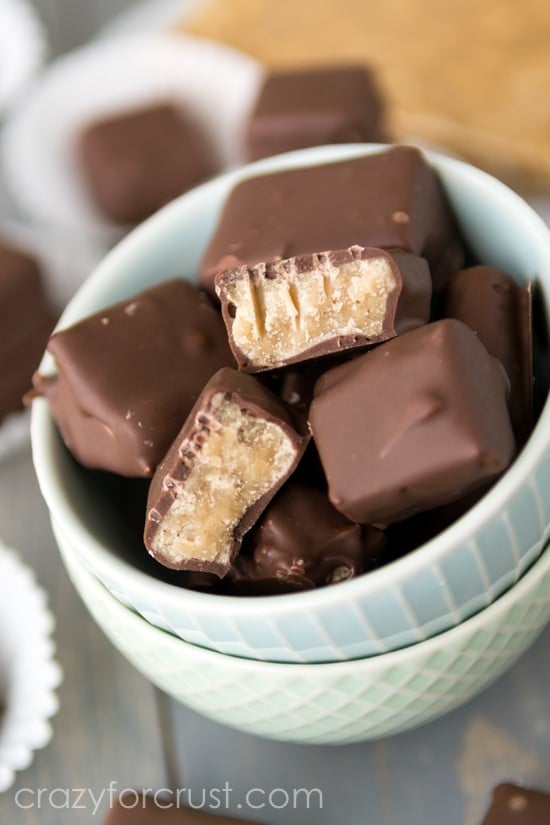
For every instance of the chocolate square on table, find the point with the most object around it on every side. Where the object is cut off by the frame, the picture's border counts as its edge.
(23, 302)
(413, 424)
(26, 320)
(315, 106)
(137, 161)
(389, 199)
(515, 805)
(128, 376)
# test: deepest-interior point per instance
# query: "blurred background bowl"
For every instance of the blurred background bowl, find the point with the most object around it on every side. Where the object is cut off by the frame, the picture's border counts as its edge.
(332, 703)
(428, 591)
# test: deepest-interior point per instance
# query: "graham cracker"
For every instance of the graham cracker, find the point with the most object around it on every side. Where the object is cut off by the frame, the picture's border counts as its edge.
(473, 77)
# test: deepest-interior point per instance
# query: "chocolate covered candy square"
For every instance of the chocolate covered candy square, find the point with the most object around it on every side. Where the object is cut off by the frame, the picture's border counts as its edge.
(238, 446)
(23, 302)
(128, 376)
(135, 162)
(498, 309)
(413, 424)
(302, 542)
(313, 305)
(516, 805)
(26, 321)
(389, 199)
(313, 106)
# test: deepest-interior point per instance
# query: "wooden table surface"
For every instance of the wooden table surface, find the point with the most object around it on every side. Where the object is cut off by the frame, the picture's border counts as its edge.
(114, 730)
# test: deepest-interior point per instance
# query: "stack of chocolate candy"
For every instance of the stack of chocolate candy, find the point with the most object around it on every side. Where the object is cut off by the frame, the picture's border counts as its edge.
(340, 375)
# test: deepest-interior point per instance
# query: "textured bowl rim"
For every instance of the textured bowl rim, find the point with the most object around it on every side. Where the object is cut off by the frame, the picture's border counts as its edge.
(517, 594)
(46, 445)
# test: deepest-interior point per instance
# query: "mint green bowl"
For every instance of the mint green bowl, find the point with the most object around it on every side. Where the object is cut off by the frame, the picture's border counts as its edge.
(328, 703)
(438, 586)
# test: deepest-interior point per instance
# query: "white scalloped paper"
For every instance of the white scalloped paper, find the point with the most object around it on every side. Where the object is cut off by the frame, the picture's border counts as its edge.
(39, 149)
(29, 673)
(23, 48)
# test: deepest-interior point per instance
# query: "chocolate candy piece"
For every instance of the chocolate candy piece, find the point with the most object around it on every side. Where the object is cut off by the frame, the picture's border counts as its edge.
(135, 808)
(130, 374)
(388, 199)
(313, 305)
(238, 446)
(302, 542)
(413, 424)
(515, 805)
(18, 360)
(23, 302)
(314, 106)
(491, 303)
(26, 322)
(137, 161)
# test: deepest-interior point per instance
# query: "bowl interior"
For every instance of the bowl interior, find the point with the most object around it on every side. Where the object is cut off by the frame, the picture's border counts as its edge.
(107, 512)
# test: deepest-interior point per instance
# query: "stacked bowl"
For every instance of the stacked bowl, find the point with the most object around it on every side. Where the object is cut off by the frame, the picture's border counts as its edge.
(362, 658)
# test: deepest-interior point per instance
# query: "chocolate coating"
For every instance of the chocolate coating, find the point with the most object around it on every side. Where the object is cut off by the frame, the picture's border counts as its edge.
(491, 303)
(317, 305)
(148, 809)
(406, 536)
(26, 321)
(413, 424)
(137, 161)
(314, 106)
(128, 376)
(203, 498)
(302, 542)
(23, 301)
(516, 805)
(388, 199)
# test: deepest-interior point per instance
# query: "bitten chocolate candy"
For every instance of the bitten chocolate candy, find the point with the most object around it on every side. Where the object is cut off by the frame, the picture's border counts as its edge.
(302, 542)
(135, 808)
(515, 805)
(314, 106)
(315, 305)
(137, 161)
(26, 321)
(128, 376)
(413, 424)
(388, 199)
(499, 311)
(238, 446)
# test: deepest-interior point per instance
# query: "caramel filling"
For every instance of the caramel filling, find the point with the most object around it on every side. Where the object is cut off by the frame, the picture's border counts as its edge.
(279, 318)
(235, 458)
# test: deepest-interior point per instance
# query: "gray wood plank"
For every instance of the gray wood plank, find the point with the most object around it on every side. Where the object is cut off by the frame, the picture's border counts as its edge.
(107, 727)
(440, 773)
